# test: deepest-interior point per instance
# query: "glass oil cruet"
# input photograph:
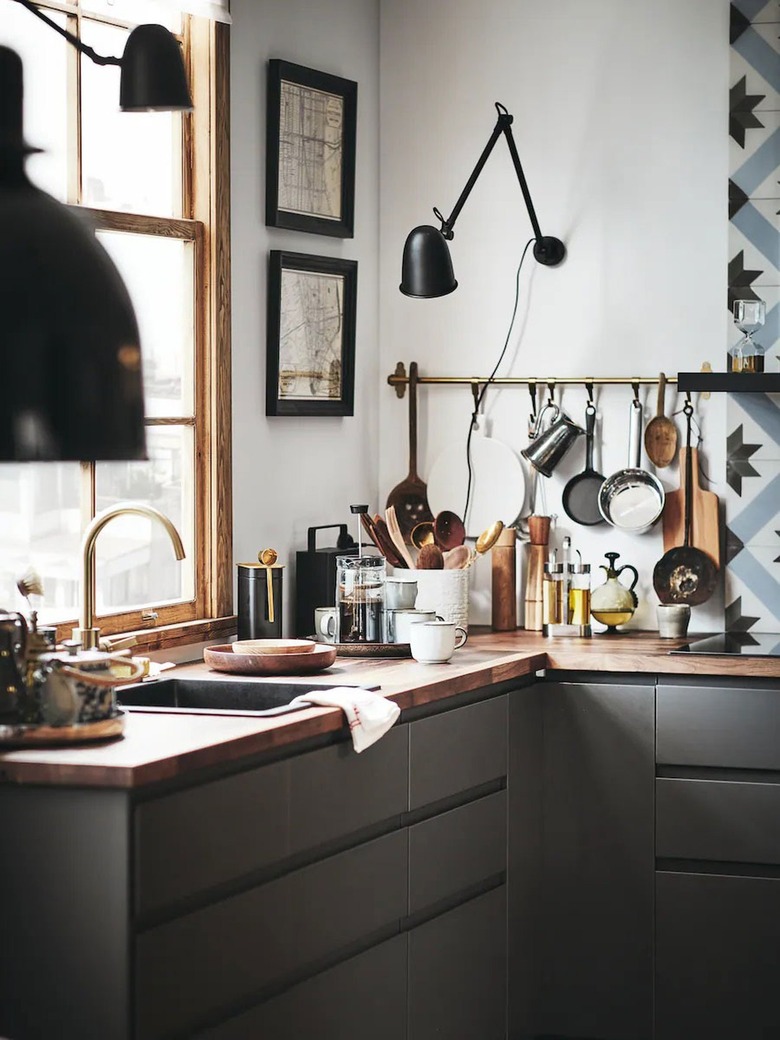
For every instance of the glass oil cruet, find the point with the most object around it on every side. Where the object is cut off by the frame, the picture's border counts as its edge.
(746, 355)
(614, 603)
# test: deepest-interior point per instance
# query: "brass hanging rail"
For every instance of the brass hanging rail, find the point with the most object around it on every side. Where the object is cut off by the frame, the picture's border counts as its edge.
(400, 380)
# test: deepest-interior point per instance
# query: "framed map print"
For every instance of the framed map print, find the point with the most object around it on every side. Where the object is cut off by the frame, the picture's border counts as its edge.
(311, 335)
(310, 150)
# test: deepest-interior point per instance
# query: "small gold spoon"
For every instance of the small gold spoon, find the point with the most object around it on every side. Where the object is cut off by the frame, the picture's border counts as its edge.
(486, 540)
(268, 558)
(422, 534)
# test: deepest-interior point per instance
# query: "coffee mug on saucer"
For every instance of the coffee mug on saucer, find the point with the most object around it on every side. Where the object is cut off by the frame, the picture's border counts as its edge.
(325, 624)
(434, 642)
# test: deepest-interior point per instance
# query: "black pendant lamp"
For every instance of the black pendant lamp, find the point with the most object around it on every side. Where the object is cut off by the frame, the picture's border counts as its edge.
(426, 267)
(70, 357)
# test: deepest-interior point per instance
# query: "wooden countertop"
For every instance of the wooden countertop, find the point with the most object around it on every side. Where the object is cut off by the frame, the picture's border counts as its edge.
(157, 747)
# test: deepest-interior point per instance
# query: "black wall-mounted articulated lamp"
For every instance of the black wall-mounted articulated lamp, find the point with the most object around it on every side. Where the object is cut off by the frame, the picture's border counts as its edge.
(426, 269)
(153, 78)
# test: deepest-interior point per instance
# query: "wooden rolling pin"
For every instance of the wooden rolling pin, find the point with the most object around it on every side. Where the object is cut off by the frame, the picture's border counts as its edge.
(539, 535)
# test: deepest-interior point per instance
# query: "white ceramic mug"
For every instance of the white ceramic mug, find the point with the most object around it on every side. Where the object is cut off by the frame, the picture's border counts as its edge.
(434, 642)
(325, 624)
(400, 622)
(673, 619)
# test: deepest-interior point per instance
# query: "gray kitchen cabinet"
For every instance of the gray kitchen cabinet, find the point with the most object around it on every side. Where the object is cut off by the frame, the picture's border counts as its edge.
(581, 858)
(321, 893)
(718, 857)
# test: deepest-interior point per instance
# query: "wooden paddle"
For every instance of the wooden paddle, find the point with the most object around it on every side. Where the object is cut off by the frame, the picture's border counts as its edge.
(410, 497)
(705, 534)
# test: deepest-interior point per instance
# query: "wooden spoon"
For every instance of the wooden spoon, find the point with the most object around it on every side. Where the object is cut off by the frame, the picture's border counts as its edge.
(268, 558)
(458, 558)
(430, 558)
(661, 433)
(422, 534)
(448, 530)
(395, 533)
(410, 497)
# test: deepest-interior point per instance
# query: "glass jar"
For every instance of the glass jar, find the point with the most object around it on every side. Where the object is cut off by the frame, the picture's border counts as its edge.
(360, 594)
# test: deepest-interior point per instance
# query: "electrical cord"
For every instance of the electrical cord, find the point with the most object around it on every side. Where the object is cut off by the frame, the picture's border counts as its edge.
(491, 377)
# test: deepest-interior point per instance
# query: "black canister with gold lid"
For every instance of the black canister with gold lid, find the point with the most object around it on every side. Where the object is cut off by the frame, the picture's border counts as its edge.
(260, 600)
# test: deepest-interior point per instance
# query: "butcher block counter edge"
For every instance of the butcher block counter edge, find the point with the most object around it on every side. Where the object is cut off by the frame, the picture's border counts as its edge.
(159, 747)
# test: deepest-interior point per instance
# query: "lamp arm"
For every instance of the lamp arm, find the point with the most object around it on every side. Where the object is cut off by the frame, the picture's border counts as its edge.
(84, 48)
(448, 224)
(510, 140)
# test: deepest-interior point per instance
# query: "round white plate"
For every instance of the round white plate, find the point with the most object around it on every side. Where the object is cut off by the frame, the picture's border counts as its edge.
(497, 483)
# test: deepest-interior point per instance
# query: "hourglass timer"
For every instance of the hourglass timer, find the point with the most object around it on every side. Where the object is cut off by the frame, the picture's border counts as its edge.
(747, 356)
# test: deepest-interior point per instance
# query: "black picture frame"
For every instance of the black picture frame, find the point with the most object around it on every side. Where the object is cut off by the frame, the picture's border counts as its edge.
(310, 361)
(310, 150)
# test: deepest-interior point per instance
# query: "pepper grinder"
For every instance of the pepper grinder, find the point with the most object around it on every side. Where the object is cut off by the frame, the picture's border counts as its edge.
(504, 582)
(539, 536)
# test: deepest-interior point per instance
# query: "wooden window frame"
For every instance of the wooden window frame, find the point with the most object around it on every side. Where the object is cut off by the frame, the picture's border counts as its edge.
(206, 203)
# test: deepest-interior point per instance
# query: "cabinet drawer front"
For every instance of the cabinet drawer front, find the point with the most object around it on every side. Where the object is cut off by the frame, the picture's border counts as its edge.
(457, 750)
(208, 835)
(461, 847)
(204, 963)
(457, 972)
(713, 726)
(361, 998)
(718, 820)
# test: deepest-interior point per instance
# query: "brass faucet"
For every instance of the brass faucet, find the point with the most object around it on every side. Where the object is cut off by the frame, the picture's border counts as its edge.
(87, 634)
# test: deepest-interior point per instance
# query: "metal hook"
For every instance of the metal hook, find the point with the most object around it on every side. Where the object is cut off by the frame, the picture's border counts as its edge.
(551, 391)
(589, 388)
(532, 392)
(635, 388)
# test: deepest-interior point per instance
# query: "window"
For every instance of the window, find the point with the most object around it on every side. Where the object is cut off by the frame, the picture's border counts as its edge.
(155, 186)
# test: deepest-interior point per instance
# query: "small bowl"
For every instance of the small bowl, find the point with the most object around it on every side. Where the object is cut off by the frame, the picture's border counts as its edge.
(273, 646)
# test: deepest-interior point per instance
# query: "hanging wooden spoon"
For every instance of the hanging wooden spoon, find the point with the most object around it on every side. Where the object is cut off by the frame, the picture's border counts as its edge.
(268, 558)
(448, 530)
(661, 433)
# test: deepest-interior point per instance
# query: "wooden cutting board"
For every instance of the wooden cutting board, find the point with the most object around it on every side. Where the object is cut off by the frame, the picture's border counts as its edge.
(705, 533)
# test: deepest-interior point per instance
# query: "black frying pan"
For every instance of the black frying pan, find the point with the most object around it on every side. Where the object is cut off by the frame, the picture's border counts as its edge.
(581, 494)
(685, 574)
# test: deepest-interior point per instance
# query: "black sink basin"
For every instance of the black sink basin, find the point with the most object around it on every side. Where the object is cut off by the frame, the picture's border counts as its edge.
(215, 697)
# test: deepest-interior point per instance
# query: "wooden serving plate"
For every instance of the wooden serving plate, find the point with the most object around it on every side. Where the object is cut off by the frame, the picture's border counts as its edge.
(222, 659)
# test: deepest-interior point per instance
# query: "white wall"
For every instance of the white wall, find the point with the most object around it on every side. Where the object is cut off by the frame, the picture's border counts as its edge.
(621, 124)
(288, 473)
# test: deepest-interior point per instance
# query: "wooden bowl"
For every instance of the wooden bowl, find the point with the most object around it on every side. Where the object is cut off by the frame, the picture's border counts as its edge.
(273, 646)
(222, 659)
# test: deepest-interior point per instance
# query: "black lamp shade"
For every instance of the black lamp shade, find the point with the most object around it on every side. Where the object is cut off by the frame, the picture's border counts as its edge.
(426, 268)
(153, 77)
(70, 361)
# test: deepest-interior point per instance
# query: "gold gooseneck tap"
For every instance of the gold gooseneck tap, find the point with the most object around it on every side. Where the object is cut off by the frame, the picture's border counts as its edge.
(87, 634)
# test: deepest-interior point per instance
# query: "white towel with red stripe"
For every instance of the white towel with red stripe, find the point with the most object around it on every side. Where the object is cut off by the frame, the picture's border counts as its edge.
(369, 715)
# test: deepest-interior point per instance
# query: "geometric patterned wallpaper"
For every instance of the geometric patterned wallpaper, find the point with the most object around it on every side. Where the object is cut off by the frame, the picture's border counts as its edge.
(752, 576)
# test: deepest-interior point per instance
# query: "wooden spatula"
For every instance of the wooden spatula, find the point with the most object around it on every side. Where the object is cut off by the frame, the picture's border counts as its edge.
(704, 514)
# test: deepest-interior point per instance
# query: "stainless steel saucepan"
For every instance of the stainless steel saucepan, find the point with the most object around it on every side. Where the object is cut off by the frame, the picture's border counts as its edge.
(632, 499)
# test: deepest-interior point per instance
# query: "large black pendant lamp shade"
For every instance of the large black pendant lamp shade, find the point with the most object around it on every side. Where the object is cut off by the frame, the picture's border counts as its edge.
(70, 357)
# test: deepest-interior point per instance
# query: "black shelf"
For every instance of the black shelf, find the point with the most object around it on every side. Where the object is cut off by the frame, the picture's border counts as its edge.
(730, 382)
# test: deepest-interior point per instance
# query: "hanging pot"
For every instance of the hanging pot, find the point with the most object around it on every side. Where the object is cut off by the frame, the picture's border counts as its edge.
(632, 499)
(685, 574)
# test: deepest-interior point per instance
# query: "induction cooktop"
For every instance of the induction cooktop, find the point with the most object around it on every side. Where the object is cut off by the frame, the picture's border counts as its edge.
(734, 644)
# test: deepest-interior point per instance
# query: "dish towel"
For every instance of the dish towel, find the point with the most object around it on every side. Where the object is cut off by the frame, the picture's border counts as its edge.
(369, 715)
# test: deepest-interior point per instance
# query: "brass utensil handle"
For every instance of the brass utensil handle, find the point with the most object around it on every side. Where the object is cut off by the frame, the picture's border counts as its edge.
(94, 679)
(270, 589)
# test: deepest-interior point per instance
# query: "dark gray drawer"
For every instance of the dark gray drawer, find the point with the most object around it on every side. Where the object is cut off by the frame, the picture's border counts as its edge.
(448, 853)
(365, 997)
(718, 820)
(196, 839)
(720, 727)
(203, 963)
(457, 750)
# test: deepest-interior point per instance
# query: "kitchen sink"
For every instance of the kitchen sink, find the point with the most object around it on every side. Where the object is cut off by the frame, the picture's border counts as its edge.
(215, 697)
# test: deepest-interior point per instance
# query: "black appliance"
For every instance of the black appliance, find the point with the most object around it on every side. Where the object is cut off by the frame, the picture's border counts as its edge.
(734, 644)
(315, 575)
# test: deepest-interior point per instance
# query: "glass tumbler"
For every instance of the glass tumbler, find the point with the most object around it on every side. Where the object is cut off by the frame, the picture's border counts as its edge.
(360, 594)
